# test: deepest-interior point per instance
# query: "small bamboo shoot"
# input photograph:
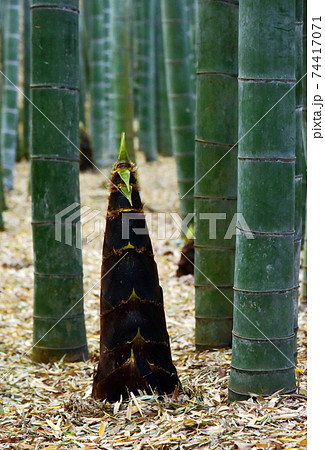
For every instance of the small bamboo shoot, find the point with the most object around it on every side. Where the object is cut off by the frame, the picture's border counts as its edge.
(134, 344)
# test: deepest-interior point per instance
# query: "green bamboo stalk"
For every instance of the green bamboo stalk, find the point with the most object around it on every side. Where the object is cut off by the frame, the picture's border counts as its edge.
(2, 10)
(59, 327)
(191, 8)
(303, 298)
(304, 188)
(111, 124)
(110, 153)
(121, 74)
(97, 81)
(86, 151)
(163, 135)
(2, 197)
(136, 31)
(82, 69)
(2, 227)
(146, 80)
(216, 190)
(85, 39)
(2, 19)
(263, 332)
(304, 81)
(9, 121)
(27, 70)
(179, 98)
(304, 119)
(3, 6)
(20, 135)
(299, 155)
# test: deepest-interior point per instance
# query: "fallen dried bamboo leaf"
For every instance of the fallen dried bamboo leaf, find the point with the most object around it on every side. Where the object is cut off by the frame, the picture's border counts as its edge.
(102, 427)
(243, 446)
(136, 404)
(31, 393)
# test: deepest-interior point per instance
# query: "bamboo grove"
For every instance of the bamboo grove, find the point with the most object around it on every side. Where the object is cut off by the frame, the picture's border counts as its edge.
(182, 79)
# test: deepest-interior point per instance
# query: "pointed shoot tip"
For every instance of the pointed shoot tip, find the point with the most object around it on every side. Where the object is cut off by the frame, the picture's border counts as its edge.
(123, 154)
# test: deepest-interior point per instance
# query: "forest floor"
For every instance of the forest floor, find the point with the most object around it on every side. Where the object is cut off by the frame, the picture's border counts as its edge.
(48, 406)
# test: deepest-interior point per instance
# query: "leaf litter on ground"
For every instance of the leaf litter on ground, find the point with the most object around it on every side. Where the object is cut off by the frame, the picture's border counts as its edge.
(48, 406)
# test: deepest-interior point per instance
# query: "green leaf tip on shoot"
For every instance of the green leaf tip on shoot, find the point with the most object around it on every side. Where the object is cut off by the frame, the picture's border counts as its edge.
(190, 232)
(125, 175)
(127, 193)
(123, 156)
(123, 166)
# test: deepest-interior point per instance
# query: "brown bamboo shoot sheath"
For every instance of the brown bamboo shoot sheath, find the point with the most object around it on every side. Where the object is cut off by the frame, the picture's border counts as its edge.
(134, 344)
